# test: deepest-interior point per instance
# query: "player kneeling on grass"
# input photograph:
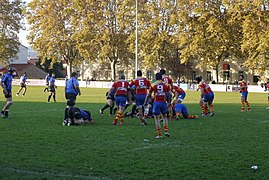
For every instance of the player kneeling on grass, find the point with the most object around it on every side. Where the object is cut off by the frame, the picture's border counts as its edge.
(78, 116)
(181, 110)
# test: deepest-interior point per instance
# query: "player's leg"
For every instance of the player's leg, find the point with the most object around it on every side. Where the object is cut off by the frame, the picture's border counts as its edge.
(164, 111)
(120, 102)
(156, 113)
(18, 92)
(101, 111)
(210, 103)
(140, 99)
(25, 89)
(246, 101)
(5, 110)
(54, 96)
(243, 100)
(268, 102)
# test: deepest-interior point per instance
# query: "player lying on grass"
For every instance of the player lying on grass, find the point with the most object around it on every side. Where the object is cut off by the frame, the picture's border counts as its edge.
(181, 110)
(78, 116)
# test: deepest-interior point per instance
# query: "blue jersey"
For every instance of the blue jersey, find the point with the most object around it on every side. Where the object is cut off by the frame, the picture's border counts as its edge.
(52, 81)
(86, 115)
(23, 79)
(70, 86)
(47, 78)
(182, 109)
(7, 81)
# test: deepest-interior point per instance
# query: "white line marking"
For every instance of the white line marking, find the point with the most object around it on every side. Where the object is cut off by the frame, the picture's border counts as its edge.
(51, 174)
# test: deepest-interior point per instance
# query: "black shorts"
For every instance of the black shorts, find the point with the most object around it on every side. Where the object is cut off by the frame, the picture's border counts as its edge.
(8, 95)
(52, 88)
(70, 99)
(23, 85)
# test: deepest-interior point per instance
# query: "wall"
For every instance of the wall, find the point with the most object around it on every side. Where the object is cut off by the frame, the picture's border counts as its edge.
(99, 84)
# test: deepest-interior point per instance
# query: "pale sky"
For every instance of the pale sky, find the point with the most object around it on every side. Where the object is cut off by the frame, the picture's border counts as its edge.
(24, 33)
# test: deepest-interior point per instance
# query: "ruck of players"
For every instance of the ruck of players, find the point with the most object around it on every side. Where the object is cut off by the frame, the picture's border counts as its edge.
(161, 100)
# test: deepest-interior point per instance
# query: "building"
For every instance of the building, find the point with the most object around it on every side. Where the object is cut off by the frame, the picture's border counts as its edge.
(22, 64)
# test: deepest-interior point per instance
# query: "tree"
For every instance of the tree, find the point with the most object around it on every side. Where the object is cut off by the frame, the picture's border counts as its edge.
(255, 42)
(103, 29)
(51, 31)
(10, 24)
(158, 24)
(205, 33)
(46, 65)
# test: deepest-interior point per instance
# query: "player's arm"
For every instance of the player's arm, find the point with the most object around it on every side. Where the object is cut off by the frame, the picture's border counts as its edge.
(147, 98)
(3, 85)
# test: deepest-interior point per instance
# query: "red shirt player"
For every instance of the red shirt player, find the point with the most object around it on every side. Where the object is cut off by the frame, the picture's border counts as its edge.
(141, 85)
(169, 81)
(207, 97)
(162, 96)
(244, 93)
(121, 87)
(179, 93)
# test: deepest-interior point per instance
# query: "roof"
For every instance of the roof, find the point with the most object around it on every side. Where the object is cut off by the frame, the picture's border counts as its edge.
(32, 71)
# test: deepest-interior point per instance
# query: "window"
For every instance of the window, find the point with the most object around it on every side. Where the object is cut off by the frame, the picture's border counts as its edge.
(149, 75)
(256, 78)
(208, 76)
(226, 75)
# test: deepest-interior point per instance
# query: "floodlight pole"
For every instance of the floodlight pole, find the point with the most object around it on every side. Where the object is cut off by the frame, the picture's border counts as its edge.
(136, 37)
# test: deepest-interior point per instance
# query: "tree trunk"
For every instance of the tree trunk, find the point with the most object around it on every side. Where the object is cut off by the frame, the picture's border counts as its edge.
(217, 72)
(69, 69)
(113, 69)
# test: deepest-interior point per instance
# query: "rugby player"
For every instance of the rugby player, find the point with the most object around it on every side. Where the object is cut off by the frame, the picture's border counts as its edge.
(110, 97)
(52, 88)
(47, 78)
(121, 87)
(169, 81)
(6, 83)
(76, 116)
(207, 97)
(162, 94)
(71, 91)
(181, 110)
(22, 84)
(244, 92)
(141, 85)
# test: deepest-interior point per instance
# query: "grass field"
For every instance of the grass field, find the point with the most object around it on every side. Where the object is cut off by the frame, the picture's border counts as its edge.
(35, 145)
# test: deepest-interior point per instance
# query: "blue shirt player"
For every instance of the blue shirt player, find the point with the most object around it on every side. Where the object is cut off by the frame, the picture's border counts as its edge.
(181, 110)
(52, 88)
(71, 91)
(6, 83)
(47, 78)
(22, 84)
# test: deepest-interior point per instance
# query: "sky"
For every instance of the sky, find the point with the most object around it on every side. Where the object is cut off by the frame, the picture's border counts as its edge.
(24, 33)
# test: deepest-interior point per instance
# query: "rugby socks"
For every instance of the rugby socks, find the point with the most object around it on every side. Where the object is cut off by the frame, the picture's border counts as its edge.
(206, 108)
(105, 107)
(49, 98)
(191, 117)
(118, 117)
(159, 132)
(202, 108)
(165, 128)
(133, 110)
(54, 97)
(211, 108)
(6, 113)
(243, 106)
(65, 113)
(110, 110)
(248, 105)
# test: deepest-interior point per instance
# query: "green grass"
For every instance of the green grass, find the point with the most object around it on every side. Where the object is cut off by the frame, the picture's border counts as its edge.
(35, 145)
